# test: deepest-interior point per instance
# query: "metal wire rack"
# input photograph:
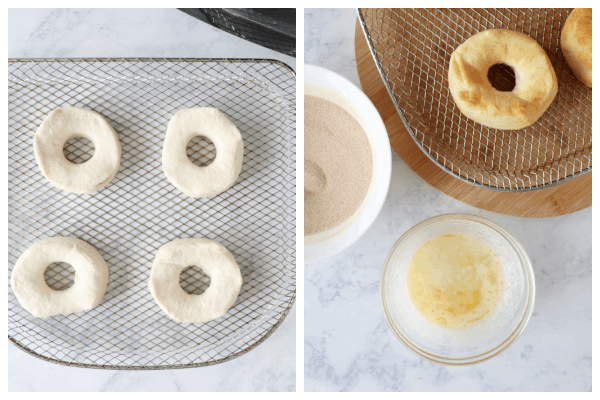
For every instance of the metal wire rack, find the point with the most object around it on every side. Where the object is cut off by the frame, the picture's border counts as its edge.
(412, 49)
(140, 210)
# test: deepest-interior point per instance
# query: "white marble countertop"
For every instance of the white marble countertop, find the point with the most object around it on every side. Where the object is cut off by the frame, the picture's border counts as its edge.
(348, 346)
(37, 33)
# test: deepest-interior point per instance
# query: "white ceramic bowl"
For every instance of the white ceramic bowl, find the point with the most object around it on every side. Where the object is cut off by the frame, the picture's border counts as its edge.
(482, 340)
(328, 85)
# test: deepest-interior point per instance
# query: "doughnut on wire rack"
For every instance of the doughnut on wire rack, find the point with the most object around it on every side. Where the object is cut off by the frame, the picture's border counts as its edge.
(412, 49)
(139, 210)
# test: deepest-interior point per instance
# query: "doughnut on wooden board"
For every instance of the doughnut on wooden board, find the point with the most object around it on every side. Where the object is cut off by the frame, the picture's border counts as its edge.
(565, 198)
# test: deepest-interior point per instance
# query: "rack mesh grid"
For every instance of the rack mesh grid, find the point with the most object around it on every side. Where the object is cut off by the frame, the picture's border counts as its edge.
(412, 49)
(140, 210)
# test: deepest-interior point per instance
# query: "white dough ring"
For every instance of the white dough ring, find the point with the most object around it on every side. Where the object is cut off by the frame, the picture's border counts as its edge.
(30, 288)
(60, 126)
(214, 259)
(221, 174)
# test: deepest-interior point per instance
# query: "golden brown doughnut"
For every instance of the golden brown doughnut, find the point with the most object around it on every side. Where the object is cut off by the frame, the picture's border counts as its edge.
(576, 44)
(535, 88)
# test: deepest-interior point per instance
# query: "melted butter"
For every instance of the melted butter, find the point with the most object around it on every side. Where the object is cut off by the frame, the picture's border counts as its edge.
(454, 280)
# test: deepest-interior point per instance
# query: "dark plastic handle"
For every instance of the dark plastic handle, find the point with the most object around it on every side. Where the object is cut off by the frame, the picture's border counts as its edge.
(273, 28)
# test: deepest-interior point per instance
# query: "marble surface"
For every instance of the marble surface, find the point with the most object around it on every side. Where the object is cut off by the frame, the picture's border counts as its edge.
(348, 345)
(38, 33)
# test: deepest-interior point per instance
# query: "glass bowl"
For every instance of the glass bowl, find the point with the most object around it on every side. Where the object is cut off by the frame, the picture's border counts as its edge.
(477, 342)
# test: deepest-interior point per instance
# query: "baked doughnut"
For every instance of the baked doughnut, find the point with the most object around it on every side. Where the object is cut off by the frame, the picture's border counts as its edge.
(214, 259)
(221, 174)
(30, 288)
(576, 44)
(64, 124)
(535, 88)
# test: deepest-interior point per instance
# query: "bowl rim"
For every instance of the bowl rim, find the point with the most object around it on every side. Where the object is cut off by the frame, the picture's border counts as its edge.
(385, 156)
(490, 353)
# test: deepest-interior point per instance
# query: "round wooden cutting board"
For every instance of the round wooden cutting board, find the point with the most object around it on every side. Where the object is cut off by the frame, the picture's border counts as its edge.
(561, 199)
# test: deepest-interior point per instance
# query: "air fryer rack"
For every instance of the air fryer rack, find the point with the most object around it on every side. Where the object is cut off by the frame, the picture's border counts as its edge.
(140, 210)
(412, 49)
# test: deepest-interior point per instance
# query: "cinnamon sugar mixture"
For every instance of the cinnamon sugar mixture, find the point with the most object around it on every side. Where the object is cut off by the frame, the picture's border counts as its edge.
(338, 165)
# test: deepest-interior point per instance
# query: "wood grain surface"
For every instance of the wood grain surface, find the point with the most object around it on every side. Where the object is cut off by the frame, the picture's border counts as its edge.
(561, 199)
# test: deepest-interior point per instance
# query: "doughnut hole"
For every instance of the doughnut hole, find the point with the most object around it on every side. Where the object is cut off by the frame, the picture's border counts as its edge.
(193, 280)
(78, 150)
(201, 151)
(502, 77)
(59, 276)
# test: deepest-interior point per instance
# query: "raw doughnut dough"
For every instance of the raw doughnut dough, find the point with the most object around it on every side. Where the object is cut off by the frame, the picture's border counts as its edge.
(91, 277)
(221, 174)
(214, 259)
(535, 88)
(576, 44)
(60, 126)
